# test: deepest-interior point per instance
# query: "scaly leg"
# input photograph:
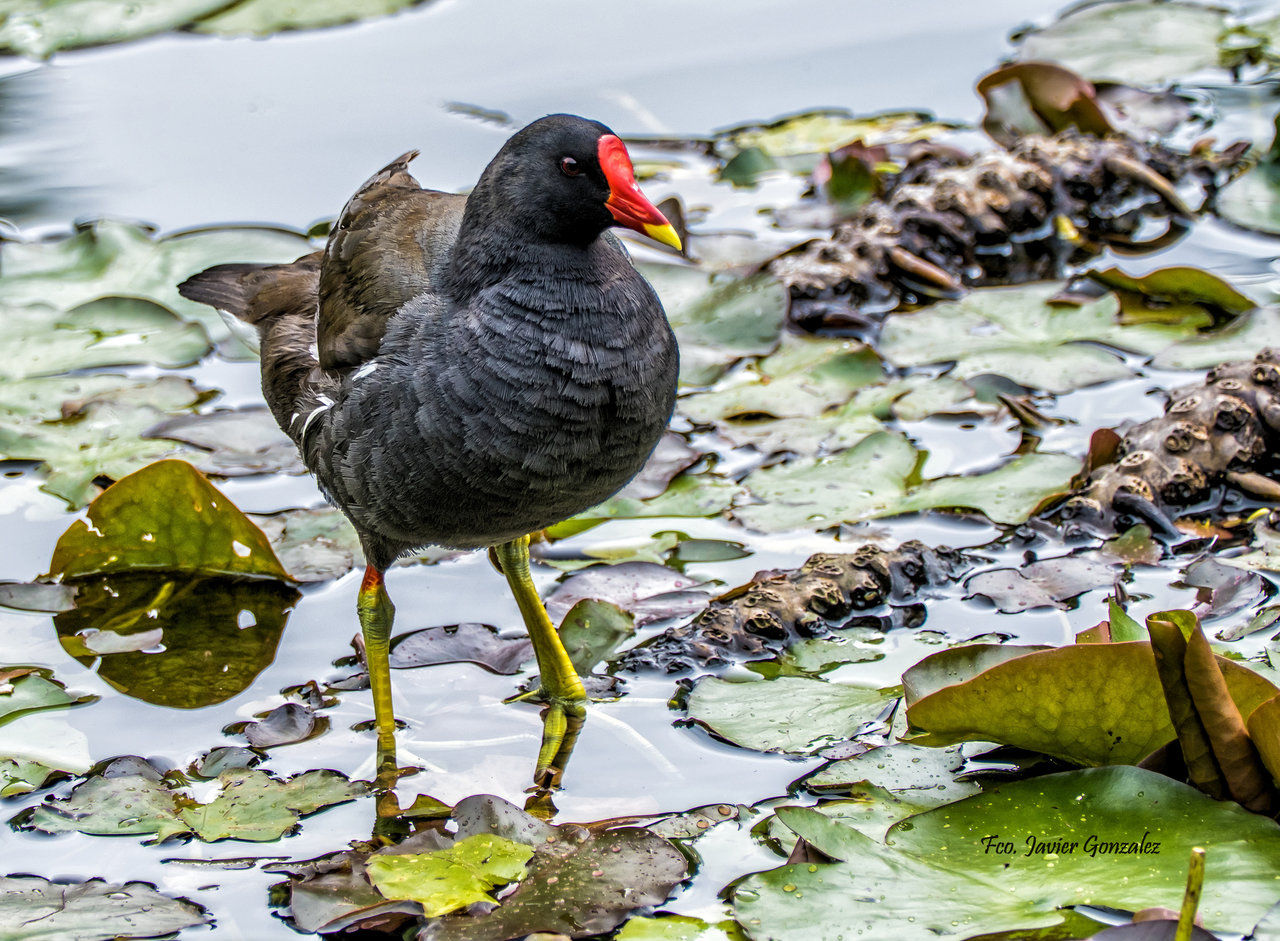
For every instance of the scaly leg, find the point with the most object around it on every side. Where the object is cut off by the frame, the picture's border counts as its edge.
(561, 687)
(376, 615)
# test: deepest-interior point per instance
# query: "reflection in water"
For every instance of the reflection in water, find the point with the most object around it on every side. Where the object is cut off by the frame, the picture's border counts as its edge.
(178, 643)
(31, 158)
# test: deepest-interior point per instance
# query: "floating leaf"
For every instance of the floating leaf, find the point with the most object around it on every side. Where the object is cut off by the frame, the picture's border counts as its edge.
(1178, 285)
(1048, 582)
(165, 517)
(1122, 834)
(116, 259)
(718, 321)
(238, 441)
(39, 28)
(1039, 98)
(875, 479)
(264, 17)
(924, 775)
(27, 691)
(44, 597)
(647, 591)
(593, 631)
(109, 331)
(314, 545)
(32, 907)
(822, 131)
(793, 715)
(1240, 339)
(1015, 332)
(453, 878)
(678, 928)
(251, 805)
(287, 723)
(689, 495)
(480, 644)
(1092, 704)
(1132, 41)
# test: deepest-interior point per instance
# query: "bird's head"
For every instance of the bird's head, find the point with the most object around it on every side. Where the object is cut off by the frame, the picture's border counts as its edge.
(566, 179)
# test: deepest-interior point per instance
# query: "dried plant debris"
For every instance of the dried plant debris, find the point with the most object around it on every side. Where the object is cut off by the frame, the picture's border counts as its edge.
(950, 220)
(759, 618)
(1222, 433)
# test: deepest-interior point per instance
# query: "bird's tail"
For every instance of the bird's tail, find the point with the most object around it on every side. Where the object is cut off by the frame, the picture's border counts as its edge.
(257, 294)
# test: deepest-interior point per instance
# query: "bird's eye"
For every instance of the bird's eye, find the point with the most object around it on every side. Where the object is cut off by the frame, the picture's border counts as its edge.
(569, 166)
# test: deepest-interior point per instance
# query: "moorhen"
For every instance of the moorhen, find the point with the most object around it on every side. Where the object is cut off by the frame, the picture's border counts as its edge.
(464, 371)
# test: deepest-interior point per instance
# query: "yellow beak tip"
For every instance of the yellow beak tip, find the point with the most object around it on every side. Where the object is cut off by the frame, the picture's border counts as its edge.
(664, 234)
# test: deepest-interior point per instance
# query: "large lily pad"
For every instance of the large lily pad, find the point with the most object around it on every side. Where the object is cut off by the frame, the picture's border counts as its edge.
(264, 17)
(39, 28)
(116, 259)
(1132, 41)
(34, 909)
(718, 320)
(793, 715)
(110, 331)
(1016, 333)
(251, 805)
(1091, 704)
(877, 478)
(165, 517)
(989, 863)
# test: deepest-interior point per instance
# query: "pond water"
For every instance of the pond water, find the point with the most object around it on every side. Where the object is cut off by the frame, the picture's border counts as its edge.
(184, 131)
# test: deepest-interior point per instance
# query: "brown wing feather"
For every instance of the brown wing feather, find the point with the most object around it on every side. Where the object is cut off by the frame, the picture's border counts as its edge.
(392, 242)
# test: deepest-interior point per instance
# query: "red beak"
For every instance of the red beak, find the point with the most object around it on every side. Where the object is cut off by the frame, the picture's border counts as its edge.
(626, 203)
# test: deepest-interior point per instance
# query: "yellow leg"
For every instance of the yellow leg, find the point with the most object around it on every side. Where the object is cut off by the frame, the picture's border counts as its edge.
(560, 685)
(376, 616)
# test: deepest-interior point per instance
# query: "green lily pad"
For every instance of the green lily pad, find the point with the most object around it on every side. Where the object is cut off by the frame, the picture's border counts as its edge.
(49, 398)
(1017, 333)
(165, 517)
(877, 478)
(718, 320)
(1133, 41)
(251, 805)
(593, 631)
(820, 132)
(1090, 704)
(678, 928)
(108, 331)
(793, 715)
(264, 17)
(34, 909)
(925, 775)
(28, 690)
(1177, 285)
(39, 28)
(115, 259)
(1240, 339)
(453, 878)
(1253, 200)
(1122, 839)
(690, 495)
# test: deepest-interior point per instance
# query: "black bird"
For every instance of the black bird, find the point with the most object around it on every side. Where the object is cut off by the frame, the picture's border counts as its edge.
(466, 371)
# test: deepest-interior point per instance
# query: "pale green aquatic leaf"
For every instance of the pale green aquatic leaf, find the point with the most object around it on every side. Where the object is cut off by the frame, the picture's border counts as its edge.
(34, 909)
(109, 331)
(115, 259)
(688, 495)
(25, 691)
(1133, 41)
(251, 805)
(717, 319)
(48, 398)
(264, 17)
(1123, 836)
(793, 715)
(876, 478)
(820, 132)
(449, 879)
(39, 28)
(668, 927)
(1016, 333)
(1240, 339)
(925, 775)
(593, 631)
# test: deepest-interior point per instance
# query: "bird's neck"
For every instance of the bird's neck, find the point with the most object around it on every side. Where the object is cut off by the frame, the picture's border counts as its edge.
(485, 257)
